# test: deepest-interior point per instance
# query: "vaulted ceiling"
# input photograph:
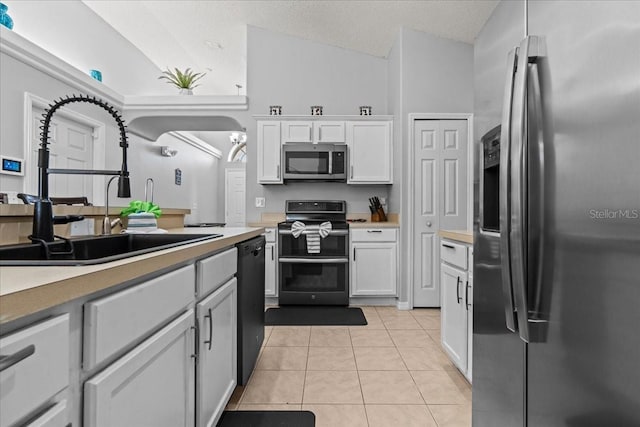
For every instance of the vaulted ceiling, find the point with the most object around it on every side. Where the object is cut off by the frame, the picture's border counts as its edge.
(211, 35)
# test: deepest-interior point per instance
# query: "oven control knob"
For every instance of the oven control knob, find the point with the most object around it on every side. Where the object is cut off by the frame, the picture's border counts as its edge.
(313, 296)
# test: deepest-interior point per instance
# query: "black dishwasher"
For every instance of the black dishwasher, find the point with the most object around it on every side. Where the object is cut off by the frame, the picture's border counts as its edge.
(250, 305)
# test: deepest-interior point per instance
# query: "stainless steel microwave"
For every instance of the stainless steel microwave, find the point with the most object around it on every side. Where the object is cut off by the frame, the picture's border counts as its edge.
(314, 162)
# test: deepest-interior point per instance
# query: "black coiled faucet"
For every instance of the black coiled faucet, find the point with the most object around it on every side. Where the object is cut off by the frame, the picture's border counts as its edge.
(43, 218)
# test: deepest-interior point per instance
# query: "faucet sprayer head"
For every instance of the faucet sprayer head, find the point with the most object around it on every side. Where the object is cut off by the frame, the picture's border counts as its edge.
(124, 186)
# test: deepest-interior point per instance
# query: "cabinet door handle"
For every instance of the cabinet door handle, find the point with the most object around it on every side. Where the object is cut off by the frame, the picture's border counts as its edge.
(8, 361)
(311, 134)
(210, 317)
(319, 134)
(272, 258)
(458, 290)
(351, 171)
(466, 295)
(278, 172)
(374, 231)
(354, 254)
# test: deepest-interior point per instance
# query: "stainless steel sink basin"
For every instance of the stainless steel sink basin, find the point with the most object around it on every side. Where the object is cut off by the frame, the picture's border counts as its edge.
(94, 250)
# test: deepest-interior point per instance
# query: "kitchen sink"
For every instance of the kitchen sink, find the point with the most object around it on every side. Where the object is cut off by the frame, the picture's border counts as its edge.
(93, 250)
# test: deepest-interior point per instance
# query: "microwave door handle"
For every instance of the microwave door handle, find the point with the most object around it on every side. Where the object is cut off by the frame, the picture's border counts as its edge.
(330, 162)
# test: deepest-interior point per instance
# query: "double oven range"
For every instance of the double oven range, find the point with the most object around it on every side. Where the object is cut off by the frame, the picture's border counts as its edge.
(314, 278)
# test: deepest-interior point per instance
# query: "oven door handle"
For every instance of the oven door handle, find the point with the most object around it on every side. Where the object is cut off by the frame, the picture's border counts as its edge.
(313, 260)
(331, 233)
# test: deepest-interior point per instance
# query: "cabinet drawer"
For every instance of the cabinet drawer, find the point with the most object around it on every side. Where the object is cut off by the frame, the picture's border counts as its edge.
(454, 254)
(373, 235)
(216, 270)
(33, 380)
(113, 322)
(55, 416)
(270, 234)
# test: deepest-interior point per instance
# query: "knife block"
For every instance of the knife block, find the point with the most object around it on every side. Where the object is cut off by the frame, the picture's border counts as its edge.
(379, 216)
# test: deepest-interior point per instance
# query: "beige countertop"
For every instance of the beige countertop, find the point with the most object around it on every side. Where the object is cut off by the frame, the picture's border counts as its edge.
(272, 220)
(464, 236)
(27, 210)
(27, 290)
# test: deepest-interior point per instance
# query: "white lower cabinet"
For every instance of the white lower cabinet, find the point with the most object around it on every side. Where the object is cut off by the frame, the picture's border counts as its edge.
(217, 350)
(34, 368)
(456, 290)
(454, 314)
(374, 262)
(152, 385)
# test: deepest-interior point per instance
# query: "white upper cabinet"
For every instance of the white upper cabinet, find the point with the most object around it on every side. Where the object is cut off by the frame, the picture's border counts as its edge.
(314, 132)
(329, 132)
(269, 153)
(370, 152)
(298, 131)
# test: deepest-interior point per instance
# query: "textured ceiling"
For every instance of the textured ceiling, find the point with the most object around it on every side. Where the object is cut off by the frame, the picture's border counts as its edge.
(211, 35)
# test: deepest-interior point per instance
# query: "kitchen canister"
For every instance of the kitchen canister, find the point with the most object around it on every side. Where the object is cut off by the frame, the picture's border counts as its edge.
(365, 110)
(316, 110)
(275, 110)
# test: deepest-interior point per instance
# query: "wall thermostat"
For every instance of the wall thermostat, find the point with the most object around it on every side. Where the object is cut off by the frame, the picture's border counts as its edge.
(12, 166)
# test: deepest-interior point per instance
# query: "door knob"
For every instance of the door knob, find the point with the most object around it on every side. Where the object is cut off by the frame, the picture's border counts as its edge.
(428, 223)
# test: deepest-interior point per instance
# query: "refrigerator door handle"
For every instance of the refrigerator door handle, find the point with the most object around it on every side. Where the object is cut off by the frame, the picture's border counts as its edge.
(505, 189)
(528, 53)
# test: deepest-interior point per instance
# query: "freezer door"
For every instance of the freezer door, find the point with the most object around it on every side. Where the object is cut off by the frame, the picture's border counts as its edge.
(584, 372)
(498, 353)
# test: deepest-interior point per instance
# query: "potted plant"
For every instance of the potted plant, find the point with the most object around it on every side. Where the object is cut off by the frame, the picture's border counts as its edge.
(183, 80)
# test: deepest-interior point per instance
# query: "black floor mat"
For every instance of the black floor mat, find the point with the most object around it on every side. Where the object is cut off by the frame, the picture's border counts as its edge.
(267, 419)
(315, 315)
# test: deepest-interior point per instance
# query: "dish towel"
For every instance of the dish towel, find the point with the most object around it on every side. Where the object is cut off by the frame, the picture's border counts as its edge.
(313, 233)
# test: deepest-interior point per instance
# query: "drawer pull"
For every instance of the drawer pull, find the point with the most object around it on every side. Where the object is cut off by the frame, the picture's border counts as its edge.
(374, 231)
(448, 246)
(210, 340)
(466, 295)
(8, 361)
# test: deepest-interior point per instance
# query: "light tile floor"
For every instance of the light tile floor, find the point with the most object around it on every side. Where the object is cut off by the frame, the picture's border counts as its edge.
(391, 372)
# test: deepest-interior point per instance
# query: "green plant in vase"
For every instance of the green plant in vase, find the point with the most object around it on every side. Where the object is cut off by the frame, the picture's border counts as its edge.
(183, 80)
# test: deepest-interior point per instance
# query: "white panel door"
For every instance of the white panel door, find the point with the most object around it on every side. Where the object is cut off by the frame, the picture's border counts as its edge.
(453, 197)
(370, 152)
(440, 199)
(71, 147)
(151, 386)
(269, 153)
(426, 292)
(217, 349)
(454, 315)
(234, 197)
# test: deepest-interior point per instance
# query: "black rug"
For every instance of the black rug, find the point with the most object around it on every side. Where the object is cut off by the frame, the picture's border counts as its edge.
(315, 316)
(267, 419)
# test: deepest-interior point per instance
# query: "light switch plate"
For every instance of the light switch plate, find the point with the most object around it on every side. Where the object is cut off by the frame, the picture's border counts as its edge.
(260, 202)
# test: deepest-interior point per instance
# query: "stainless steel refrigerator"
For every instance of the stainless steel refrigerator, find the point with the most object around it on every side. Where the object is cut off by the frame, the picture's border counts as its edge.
(557, 215)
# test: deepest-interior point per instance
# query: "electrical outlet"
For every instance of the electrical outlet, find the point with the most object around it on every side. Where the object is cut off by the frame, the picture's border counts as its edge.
(85, 227)
(260, 202)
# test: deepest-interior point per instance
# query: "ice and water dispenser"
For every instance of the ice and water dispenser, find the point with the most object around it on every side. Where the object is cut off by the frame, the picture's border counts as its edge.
(490, 184)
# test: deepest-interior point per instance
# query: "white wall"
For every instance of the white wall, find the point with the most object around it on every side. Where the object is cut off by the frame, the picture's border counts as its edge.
(73, 32)
(431, 75)
(297, 73)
